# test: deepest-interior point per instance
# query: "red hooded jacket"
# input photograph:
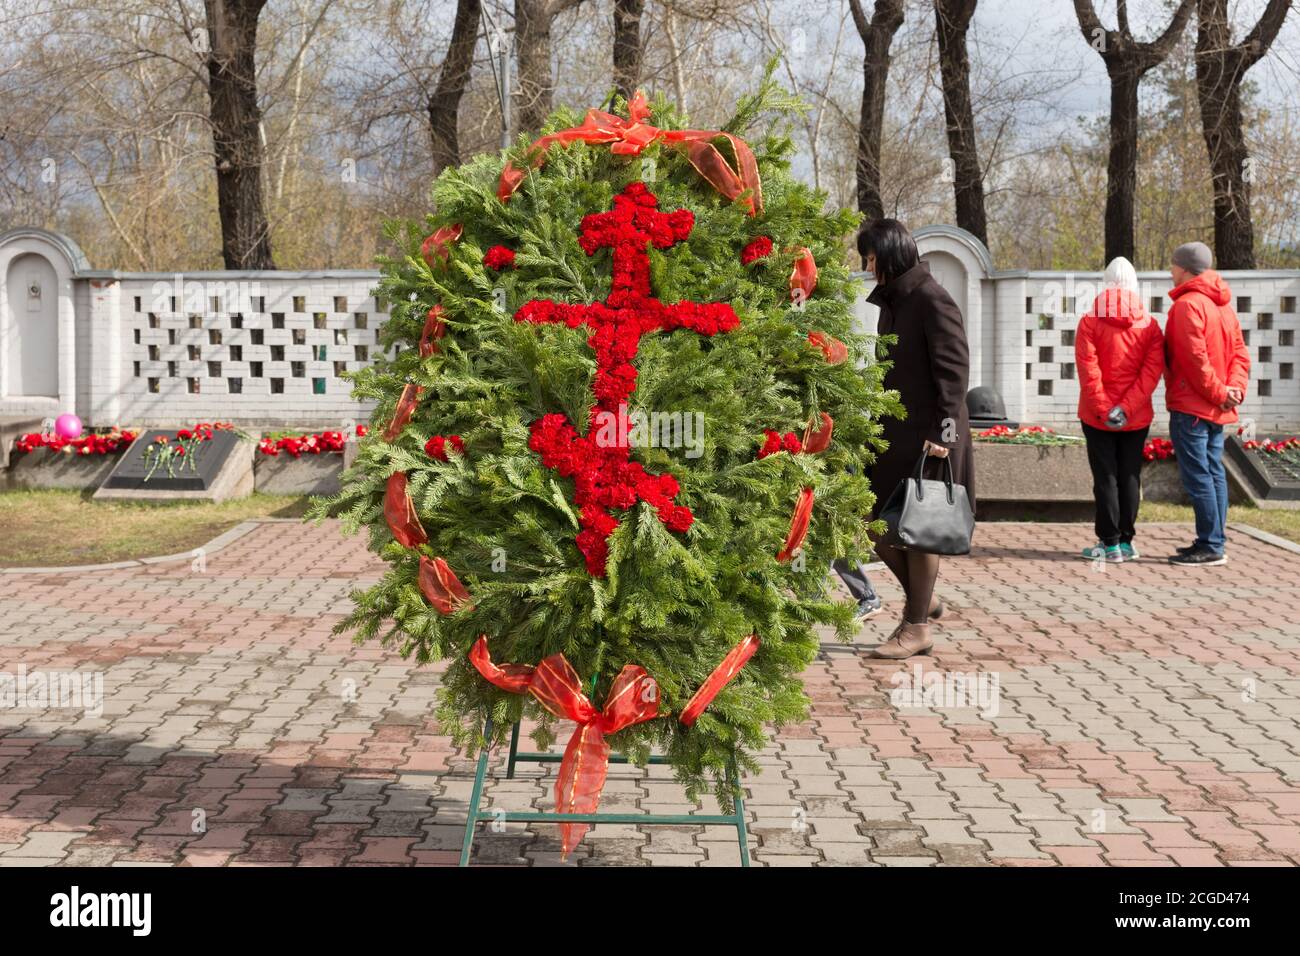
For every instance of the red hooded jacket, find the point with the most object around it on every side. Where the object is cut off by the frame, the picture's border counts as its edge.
(1205, 349)
(1119, 354)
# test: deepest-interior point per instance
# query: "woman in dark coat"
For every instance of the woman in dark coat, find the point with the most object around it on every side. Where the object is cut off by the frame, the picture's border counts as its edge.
(930, 371)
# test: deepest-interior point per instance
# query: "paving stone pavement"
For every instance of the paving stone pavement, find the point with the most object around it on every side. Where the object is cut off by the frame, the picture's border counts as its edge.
(1134, 715)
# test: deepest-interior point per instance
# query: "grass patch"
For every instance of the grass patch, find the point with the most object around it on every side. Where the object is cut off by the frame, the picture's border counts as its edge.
(55, 528)
(1284, 524)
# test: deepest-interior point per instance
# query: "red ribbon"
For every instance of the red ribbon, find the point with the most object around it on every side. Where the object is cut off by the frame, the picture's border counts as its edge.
(721, 676)
(834, 350)
(798, 525)
(803, 277)
(439, 584)
(399, 512)
(819, 440)
(628, 137)
(406, 403)
(436, 249)
(633, 699)
(434, 329)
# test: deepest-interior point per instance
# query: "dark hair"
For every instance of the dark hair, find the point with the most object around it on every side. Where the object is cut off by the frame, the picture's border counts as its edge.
(893, 245)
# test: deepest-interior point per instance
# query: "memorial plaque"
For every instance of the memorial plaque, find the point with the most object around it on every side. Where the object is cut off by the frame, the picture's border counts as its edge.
(196, 471)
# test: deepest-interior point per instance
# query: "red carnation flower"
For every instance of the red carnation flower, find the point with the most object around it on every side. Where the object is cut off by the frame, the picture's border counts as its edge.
(499, 258)
(436, 447)
(760, 248)
(775, 442)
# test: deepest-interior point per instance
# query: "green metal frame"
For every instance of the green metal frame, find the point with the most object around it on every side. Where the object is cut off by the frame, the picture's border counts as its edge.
(475, 814)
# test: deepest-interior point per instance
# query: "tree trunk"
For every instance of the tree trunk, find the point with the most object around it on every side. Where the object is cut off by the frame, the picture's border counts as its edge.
(952, 20)
(1220, 97)
(236, 132)
(533, 50)
(1127, 61)
(1121, 171)
(877, 36)
(1220, 68)
(627, 46)
(444, 103)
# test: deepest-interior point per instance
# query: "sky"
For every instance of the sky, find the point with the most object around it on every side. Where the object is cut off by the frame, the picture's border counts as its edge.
(1044, 35)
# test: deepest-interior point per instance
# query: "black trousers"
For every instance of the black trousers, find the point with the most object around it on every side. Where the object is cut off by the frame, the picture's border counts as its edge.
(855, 579)
(1116, 462)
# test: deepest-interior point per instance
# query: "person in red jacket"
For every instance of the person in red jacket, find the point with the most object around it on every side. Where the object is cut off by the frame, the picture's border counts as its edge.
(1119, 354)
(1208, 371)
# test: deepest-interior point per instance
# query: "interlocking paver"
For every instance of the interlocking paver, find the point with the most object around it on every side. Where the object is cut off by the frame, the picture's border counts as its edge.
(1141, 717)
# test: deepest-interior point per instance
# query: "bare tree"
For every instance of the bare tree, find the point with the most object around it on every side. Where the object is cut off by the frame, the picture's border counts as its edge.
(877, 35)
(1127, 61)
(236, 121)
(628, 52)
(952, 21)
(1221, 66)
(444, 101)
(533, 22)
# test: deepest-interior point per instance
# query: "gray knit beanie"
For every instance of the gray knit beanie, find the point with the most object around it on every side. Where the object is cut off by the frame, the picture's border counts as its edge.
(1193, 256)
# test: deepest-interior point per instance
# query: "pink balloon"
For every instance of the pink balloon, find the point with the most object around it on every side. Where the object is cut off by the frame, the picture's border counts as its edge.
(67, 426)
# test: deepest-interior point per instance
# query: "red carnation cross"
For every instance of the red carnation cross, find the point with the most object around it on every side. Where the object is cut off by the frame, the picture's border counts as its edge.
(605, 476)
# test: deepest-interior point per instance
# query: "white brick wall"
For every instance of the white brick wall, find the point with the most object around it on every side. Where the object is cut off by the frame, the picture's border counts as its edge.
(159, 337)
(1266, 305)
(254, 348)
(265, 348)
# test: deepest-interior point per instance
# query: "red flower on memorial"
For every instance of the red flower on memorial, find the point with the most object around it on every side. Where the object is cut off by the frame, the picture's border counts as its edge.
(604, 475)
(776, 442)
(760, 248)
(499, 258)
(436, 447)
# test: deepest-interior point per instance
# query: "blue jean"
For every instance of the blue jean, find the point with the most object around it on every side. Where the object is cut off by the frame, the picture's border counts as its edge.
(855, 579)
(1198, 449)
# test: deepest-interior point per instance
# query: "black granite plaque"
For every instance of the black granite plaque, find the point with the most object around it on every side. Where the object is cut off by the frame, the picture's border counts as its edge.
(196, 475)
(1271, 476)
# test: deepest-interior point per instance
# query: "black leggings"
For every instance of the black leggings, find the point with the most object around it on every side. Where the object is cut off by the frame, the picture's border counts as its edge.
(1116, 462)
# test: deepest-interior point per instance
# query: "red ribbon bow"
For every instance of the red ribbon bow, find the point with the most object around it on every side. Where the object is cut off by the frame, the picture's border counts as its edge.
(399, 512)
(628, 137)
(834, 350)
(633, 699)
(434, 329)
(721, 676)
(440, 586)
(818, 440)
(803, 276)
(798, 525)
(405, 408)
(436, 248)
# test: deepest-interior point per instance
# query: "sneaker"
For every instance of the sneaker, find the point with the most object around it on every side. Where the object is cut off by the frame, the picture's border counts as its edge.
(868, 607)
(1130, 553)
(1187, 550)
(1111, 553)
(1200, 559)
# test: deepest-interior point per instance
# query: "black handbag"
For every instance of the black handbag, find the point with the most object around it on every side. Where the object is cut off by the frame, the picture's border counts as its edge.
(930, 516)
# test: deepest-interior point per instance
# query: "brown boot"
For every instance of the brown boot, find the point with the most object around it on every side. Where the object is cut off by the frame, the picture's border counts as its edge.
(907, 639)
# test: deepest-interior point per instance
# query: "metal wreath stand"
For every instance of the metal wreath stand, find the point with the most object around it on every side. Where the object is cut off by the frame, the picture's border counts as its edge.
(475, 814)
